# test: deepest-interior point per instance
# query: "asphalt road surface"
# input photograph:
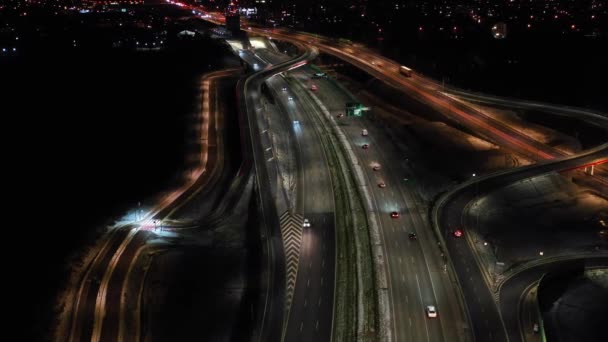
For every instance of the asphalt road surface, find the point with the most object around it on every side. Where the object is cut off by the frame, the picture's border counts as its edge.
(311, 312)
(416, 269)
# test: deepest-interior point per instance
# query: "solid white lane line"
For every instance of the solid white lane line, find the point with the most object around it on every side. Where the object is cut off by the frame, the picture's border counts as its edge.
(428, 338)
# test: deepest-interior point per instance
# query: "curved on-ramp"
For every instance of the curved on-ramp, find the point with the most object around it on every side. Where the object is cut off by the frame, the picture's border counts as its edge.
(481, 301)
(249, 91)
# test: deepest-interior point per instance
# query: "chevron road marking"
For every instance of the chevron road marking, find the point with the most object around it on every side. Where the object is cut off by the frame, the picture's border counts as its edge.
(291, 231)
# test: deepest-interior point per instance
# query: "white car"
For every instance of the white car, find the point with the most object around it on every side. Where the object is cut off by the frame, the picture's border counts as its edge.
(431, 312)
(290, 98)
(306, 223)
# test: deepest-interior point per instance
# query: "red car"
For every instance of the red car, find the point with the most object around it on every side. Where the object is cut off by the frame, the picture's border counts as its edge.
(365, 146)
(395, 214)
(382, 185)
(313, 87)
(458, 233)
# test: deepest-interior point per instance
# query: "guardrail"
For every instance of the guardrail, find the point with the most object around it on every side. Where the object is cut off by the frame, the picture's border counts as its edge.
(485, 183)
(372, 275)
(272, 324)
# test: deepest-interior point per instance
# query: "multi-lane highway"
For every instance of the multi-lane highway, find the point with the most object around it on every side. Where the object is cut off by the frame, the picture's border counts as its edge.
(588, 116)
(484, 313)
(486, 317)
(309, 317)
(448, 215)
(309, 311)
(416, 269)
(424, 90)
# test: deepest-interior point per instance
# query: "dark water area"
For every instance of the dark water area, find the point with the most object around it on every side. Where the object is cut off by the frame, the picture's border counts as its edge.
(88, 136)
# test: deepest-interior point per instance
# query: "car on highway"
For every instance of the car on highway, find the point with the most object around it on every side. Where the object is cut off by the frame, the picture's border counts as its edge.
(306, 223)
(313, 87)
(340, 115)
(284, 89)
(431, 311)
(296, 122)
(405, 71)
(376, 167)
(319, 75)
(364, 132)
(394, 214)
(458, 233)
(535, 328)
(365, 146)
(381, 184)
(376, 63)
(412, 236)
(290, 98)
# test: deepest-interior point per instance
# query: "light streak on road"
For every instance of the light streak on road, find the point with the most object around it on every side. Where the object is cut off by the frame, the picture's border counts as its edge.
(144, 221)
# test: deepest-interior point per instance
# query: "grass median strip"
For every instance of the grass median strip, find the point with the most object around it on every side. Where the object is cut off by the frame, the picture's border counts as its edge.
(355, 302)
(356, 248)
